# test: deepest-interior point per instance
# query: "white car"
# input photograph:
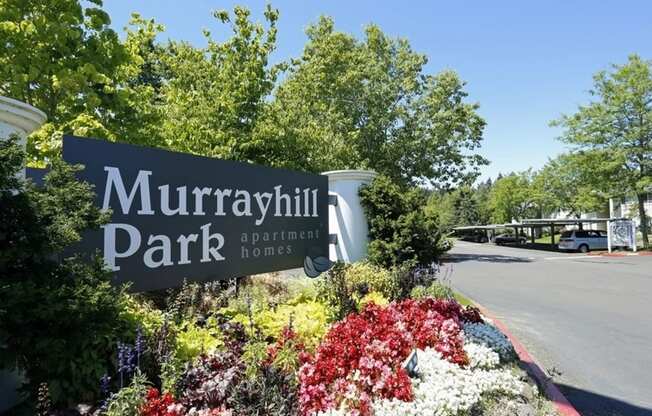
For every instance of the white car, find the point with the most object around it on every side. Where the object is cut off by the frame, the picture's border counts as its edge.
(583, 240)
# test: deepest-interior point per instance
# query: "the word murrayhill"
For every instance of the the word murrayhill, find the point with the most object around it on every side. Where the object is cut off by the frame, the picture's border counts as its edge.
(210, 201)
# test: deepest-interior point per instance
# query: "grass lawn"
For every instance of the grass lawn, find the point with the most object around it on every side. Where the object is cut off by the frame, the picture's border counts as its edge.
(463, 300)
(546, 239)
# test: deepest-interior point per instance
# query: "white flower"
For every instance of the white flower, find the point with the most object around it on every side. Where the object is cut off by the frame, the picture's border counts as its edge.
(481, 356)
(444, 388)
(489, 336)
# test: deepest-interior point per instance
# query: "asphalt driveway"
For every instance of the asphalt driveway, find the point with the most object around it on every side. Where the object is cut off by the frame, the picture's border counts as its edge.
(587, 320)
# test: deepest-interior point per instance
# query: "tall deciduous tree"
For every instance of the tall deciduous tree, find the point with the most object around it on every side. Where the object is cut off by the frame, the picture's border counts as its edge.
(214, 96)
(617, 126)
(64, 59)
(566, 183)
(349, 103)
(511, 198)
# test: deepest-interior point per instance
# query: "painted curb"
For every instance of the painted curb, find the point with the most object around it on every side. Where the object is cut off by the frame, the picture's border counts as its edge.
(563, 406)
(622, 254)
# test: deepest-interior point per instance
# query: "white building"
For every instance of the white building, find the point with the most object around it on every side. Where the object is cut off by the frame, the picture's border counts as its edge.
(628, 208)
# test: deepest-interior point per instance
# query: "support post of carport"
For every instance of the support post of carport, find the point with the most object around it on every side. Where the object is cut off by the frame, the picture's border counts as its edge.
(609, 236)
(532, 234)
(552, 234)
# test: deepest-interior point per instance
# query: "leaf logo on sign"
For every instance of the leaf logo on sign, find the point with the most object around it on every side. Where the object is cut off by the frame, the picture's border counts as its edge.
(315, 267)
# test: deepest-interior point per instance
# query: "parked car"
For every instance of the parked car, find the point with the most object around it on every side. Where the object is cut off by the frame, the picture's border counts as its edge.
(583, 240)
(509, 239)
(476, 236)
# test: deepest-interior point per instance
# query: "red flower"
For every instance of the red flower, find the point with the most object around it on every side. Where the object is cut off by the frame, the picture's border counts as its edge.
(157, 405)
(360, 358)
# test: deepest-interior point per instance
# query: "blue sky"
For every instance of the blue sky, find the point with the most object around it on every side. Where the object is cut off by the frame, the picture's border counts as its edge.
(525, 62)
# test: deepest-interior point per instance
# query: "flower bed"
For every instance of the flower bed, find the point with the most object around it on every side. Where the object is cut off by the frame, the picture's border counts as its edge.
(271, 350)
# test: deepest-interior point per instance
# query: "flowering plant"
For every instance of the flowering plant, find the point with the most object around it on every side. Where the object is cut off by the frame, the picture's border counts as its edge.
(361, 356)
(160, 405)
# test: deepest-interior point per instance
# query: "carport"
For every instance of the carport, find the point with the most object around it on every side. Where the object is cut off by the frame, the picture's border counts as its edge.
(488, 230)
(620, 231)
(612, 225)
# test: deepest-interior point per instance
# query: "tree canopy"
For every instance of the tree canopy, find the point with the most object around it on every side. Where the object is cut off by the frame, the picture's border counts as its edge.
(511, 198)
(616, 129)
(349, 103)
(344, 103)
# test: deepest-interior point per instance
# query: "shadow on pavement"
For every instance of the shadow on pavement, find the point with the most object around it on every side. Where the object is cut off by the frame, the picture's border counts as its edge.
(486, 258)
(534, 246)
(593, 404)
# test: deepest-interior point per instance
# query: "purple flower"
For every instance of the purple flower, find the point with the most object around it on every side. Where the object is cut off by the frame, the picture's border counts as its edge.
(140, 345)
(105, 385)
(126, 361)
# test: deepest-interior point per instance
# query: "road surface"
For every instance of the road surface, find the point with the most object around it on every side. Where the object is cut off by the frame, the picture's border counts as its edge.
(586, 320)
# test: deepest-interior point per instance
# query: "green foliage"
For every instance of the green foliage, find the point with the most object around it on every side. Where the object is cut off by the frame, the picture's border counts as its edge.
(374, 297)
(364, 277)
(192, 340)
(193, 301)
(616, 129)
(566, 183)
(214, 96)
(350, 103)
(254, 356)
(345, 103)
(437, 290)
(512, 198)
(128, 400)
(63, 58)
(59, 321)
(334, 290)
(139, 312)
(309, 319)
(400, 228)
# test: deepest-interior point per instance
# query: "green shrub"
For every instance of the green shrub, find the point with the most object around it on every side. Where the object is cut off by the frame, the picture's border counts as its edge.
(374, 297)
(334, 290)
(400, 228)
(60, 321)
(308, 318)
(140, 313)
(191, 340)
(128, 400)
(435, 290)
(364, 277)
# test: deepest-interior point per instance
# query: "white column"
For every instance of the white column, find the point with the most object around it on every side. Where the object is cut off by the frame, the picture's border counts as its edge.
(21, 119)
(347, 219)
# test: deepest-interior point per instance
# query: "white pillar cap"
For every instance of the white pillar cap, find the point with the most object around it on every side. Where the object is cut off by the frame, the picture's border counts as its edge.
(355, 175)
(20, 115)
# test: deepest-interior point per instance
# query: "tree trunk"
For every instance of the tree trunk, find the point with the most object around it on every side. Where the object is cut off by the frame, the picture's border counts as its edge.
(641, 214)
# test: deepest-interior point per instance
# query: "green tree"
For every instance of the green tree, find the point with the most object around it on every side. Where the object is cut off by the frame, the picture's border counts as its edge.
(214, 96)
(566, 183)
(59, 320)
(617, 128)
(511, 198)
(401, 227)
(458, 207)
(482, 191)
(349, 103)
(61, 58)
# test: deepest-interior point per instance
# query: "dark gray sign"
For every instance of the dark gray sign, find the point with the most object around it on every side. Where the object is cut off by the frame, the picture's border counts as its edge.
(179, 216)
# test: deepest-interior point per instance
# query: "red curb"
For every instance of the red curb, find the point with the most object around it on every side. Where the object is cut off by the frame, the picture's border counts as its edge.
(622, 254)
(551, 390)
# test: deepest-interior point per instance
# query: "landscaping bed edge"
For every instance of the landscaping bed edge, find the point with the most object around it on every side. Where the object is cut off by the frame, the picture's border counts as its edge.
(561, 403)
